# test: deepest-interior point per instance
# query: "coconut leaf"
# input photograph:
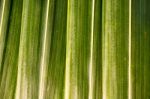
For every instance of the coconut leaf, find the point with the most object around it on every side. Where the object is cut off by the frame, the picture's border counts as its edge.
(74, 49)
(10, 57)
(140, 85)
(28, 69)
(115, 49)
(4, 16)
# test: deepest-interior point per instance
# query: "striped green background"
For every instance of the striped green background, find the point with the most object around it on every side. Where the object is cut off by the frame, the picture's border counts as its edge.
(74, 49)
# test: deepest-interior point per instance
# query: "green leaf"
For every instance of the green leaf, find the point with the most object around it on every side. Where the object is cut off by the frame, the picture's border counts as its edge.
(4, 15)
(28, 69)
(97, 51)
(10, 57)
(54, 45)
(115, 49)
(140, 64)
(79, 47)
(74, 49)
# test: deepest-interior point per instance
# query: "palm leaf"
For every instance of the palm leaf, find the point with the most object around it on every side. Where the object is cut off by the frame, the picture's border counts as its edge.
(74, 49)
(140, 82)
(4, 15)
(10, 57)
(28, 69)
(115, 49)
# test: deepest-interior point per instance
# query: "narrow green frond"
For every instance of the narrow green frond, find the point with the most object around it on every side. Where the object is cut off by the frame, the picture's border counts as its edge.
(55, 73)
(28, 69)
(140, 64)
(79, 20)
(46, 36)
(10, 57)
(115, 49)
(74, 49)
(97, 51)
(4, 15)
